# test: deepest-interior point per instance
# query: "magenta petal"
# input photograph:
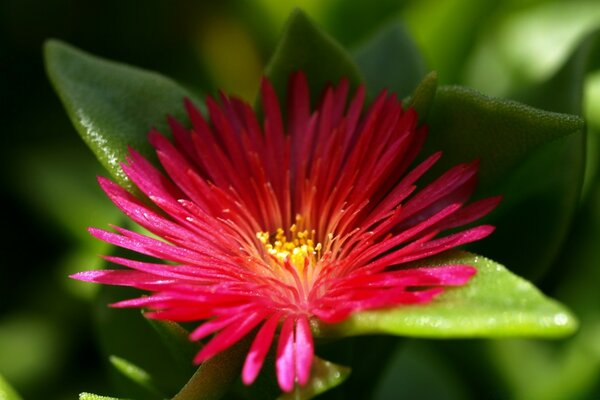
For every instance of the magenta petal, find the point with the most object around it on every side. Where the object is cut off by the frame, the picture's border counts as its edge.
(118, 277)
(259, 349)
(285, 365)
(228, 336)
(288, 217)
(304, 350)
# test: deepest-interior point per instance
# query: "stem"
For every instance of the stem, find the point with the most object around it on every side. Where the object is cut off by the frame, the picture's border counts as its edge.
(214, 378)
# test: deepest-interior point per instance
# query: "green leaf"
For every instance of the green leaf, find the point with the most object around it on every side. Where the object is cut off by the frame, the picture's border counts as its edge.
(177, 341)
(91, 396)
(415, 367)
(135, 374)
(112, 105)
(467, 125)
(495, 303)
(567, 369)
(549, 183)
(391, 61)
(305, 47)
(422, 97)
(127, 333)
(215, 377)
(7, 392)
(325, 375)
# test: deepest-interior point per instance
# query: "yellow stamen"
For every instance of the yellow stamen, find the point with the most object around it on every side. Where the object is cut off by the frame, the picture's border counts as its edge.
(297, 246)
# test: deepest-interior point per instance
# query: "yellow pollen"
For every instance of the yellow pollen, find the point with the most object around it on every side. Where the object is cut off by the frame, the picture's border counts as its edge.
(297, 246)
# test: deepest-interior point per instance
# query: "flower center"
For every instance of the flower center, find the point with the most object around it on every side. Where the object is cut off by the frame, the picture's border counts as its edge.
(295, 246)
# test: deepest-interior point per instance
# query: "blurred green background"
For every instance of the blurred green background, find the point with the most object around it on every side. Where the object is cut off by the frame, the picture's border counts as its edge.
(47, 342)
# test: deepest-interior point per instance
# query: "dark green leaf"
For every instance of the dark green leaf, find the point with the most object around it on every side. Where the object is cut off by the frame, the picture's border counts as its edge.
(305, 47)
(467, 125)
(495, 303)
(111, 105)
(391, 61)
(415, 367)
(568, 369)
(549, 183)
(540, 198)
(325, 375)
(177, 341)
(422, 97)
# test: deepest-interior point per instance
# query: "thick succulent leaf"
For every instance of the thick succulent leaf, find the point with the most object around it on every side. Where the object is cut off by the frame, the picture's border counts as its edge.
(467, 125)
(549, 183)
(111, 105)
(422, 97)
(415, 367)
(176, 340)
(495, 303)
(391, 61)
(569, 369)
(7, 392)
(91, 396)
(325, 375)
(136, 375)
(305, 47)
(215, 377)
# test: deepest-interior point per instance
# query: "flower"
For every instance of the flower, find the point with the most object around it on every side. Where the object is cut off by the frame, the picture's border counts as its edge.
(266, 228)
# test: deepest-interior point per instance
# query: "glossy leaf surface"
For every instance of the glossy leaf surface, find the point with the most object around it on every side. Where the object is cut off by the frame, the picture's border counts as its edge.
(112, 105)
(495, 303)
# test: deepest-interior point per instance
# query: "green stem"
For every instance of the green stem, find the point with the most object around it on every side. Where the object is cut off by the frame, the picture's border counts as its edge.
(214, 378)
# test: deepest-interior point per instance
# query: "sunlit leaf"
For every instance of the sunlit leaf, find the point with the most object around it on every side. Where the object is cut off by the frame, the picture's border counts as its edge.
(112, 105)
(7, 392)
(325, 375)
(495, 303)
(135, 374)
(91, 396)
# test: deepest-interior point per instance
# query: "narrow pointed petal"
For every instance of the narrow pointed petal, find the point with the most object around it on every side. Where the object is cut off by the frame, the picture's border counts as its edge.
(304, 350)
(256, 221)
(285, 364)
(259, 349)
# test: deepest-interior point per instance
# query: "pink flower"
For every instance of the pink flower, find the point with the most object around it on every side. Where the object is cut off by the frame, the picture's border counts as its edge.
(268, 227)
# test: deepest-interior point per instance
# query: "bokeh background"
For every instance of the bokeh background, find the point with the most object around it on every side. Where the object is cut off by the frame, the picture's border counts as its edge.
(48, 344)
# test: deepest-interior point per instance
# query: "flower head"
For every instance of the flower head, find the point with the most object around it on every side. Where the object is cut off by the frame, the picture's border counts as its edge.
(266, 227)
